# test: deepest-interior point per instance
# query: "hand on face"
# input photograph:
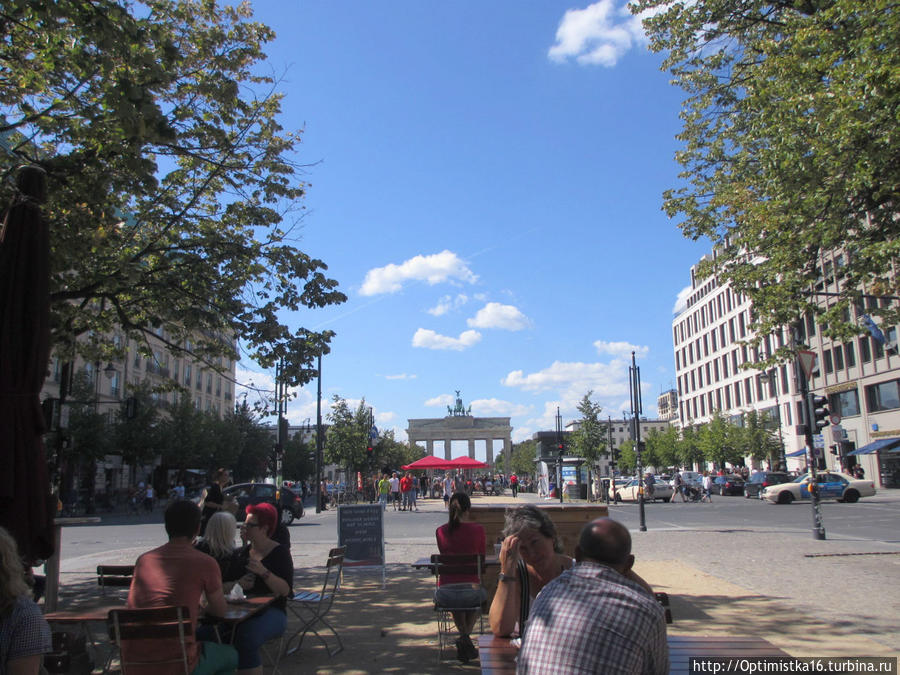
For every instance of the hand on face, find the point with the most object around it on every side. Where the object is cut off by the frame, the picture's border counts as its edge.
(509, 554)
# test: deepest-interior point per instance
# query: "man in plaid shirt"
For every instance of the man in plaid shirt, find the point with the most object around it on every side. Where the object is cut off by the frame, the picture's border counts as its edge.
(595, 618)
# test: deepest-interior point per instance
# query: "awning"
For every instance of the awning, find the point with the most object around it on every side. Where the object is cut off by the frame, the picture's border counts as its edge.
(796, 453)
(875, 446)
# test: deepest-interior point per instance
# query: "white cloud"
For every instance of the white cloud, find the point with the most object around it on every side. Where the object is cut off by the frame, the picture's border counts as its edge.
(603, 378)
(259, 389)
(428, 339)
(400, 376)
(446, 303)
(621, 349)
(434, 269)
(494, 406)
(599, 34)
(503, 317)
(681, 300)
(442, 400)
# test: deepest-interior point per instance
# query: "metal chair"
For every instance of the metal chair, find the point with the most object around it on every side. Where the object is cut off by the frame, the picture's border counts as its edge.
(467, 564)
(311, 608)
(168, 626)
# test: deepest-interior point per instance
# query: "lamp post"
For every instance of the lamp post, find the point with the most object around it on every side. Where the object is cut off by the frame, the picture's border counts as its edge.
(319, 438)
(559, 456)
(634, 383)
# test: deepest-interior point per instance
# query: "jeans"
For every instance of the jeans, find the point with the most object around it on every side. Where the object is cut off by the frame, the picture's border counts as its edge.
(254, 633)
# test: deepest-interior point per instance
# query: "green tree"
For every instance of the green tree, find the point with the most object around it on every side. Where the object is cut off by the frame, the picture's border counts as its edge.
(240, 440)
(588, 440)
(522, 456)
(89, 433)
(138, 439)
(664, 447)
(789, 147)
(688, 448)
(627, 457)
(299, 458)
(758, 439)
(719, 440)
(174, 192)
(348, 434)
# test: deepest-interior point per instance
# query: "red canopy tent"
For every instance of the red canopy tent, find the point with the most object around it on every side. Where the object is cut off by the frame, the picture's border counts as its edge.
(429, 462)
(467, 463)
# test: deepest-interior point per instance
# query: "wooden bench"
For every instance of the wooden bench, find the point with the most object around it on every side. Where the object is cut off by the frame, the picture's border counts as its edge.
(498, 655)
(118, 576)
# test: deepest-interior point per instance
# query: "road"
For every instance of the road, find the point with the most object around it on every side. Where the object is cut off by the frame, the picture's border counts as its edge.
(871, 519)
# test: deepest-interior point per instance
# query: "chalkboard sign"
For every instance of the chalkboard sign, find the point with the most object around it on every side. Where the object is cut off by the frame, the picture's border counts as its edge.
(361, 530)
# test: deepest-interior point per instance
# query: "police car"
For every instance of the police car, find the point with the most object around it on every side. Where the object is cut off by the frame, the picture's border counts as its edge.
(830, 485)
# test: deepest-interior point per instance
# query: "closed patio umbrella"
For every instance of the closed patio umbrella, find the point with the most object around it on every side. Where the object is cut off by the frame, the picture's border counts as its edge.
(25, 501)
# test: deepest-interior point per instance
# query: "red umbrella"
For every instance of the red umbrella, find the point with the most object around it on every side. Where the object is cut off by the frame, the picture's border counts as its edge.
(429, 462)
(25, 502)
(468, 463)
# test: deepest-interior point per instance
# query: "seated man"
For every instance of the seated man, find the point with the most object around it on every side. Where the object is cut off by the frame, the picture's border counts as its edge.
(178, 574)
(595, 617)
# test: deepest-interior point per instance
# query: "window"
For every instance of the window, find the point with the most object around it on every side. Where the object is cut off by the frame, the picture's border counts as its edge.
(845, 403)
(176, 369)
(209, 383)
(865, 353)
(891, 339)
(727, 397)
(883, 396)
(829, 364)
(878, 348)
(187, 374)
(850, 354)
(838, 357)
(199, 380)
(737, 394)
(219, 386)
(748, 390)
(725, 366)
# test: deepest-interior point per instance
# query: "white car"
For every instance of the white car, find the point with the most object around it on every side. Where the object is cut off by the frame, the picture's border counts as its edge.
(630, 490)
(830, 484)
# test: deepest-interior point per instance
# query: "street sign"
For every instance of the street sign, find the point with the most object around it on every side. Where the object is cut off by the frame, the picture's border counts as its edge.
(373, 433)
(838, 432)
(818, 441)
(834, 418)
(807, 361)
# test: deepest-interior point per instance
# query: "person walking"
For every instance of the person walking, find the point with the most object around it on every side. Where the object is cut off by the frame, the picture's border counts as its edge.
(384, 489)
(707, 487)
(395, 490)
(514, 485)
(677, 487)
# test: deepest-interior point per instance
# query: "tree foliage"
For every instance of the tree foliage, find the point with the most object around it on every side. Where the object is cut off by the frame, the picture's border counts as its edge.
(662, 448)
(174, 192)
(588, 440)
(790, 144)
(348, 434)
(522, 459)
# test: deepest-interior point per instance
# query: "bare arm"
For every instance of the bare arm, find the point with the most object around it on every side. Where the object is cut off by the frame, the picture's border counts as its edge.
(506, 604)
(276, 584)
(215, 603)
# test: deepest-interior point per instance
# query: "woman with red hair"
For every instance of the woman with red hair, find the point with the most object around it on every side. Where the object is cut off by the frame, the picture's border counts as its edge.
(270, 571)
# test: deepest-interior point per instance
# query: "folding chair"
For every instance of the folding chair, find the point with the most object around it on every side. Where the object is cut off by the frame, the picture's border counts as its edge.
(468, 564)
(312, 608)
(114, 575)
(172, 624)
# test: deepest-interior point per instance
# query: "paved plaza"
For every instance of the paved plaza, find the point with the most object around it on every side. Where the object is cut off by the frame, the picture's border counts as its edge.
(837, 597)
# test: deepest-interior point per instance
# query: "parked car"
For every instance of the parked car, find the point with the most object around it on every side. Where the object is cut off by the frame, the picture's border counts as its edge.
(284, 499)
(831, 485)
(763, 479)
(729, 485)
(629, 491)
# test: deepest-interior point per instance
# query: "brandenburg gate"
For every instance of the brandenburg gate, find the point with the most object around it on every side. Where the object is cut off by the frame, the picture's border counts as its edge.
(459, 425)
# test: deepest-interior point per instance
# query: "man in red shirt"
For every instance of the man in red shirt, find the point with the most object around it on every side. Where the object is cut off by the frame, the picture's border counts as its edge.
(178, 574)
(406, 484)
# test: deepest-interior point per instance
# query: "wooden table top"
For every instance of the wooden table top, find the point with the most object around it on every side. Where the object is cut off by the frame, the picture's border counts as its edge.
(498, 655)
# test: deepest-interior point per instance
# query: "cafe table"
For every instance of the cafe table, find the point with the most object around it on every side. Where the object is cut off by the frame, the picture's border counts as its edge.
(238, 611)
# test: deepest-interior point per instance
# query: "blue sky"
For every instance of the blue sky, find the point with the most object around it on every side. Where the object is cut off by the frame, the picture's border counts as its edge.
(485, 183)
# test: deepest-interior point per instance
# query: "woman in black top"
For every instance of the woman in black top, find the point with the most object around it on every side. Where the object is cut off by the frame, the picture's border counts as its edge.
(270, 572)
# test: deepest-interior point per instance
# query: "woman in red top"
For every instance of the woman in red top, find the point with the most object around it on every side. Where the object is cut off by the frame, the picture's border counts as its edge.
(460, 537)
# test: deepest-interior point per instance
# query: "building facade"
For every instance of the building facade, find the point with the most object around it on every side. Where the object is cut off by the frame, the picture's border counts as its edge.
(861, 378)
(667, 405)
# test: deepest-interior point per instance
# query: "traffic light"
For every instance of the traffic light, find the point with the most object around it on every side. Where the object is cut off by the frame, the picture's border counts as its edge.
(369, 450)
(818, 412)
